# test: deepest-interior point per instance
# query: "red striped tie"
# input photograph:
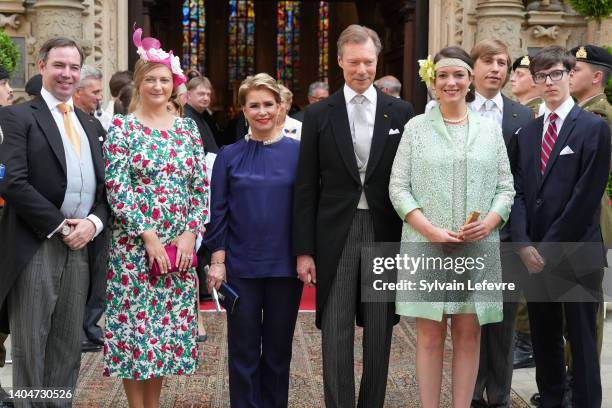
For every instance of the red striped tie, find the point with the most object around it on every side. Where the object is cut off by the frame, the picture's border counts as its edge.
(548, 141)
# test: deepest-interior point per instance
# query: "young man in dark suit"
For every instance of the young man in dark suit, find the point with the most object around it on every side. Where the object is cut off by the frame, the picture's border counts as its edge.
(562, 170)
(55, 207)
(349, 141)
(491, 69)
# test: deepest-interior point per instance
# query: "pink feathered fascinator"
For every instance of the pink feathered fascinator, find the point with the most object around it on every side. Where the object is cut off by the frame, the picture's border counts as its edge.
(150, 50)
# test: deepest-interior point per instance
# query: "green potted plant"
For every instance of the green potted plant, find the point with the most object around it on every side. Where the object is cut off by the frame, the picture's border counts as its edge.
(9, 53)
(597, 9)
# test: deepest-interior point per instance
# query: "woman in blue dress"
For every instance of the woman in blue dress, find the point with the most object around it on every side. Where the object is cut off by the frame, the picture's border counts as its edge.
(250, 240)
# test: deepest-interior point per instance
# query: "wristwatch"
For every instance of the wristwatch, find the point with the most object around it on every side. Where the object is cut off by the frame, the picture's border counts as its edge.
(64, 231)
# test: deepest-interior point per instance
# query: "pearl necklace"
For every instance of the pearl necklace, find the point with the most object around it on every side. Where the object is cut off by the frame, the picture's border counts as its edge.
(456, 121)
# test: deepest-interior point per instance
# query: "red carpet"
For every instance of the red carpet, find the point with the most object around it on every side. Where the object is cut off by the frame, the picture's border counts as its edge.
(307, 303)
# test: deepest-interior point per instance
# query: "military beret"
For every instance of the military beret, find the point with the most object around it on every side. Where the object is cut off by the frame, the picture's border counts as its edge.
(3, 73)
(34, 85)
(593, 55)
(521, 62)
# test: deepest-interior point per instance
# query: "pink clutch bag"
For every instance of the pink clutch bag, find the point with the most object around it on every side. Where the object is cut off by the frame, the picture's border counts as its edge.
(171, 251)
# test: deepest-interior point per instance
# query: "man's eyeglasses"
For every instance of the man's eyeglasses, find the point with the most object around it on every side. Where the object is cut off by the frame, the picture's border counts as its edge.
(556, 75)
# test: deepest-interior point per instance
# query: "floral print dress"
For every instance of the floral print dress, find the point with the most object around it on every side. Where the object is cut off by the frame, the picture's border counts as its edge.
(154, 180)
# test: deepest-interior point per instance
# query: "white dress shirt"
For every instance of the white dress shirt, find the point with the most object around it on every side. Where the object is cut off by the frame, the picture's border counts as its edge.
(70, 209)
(479, 105)
(562, 111)
(369, 105)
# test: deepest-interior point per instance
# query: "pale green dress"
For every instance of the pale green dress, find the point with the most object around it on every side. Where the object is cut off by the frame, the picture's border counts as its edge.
(447, 172)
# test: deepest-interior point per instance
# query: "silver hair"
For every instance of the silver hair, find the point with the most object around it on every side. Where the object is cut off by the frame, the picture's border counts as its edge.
(392, 84)
(89, 72)
(317, 85)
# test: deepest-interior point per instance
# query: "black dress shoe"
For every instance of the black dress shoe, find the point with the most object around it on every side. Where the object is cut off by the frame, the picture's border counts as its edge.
(99, 342)
(90, 347)
(5, 400)
(523, 352)
(535, 399)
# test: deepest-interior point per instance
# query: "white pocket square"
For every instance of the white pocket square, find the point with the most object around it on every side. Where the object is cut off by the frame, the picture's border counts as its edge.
(566, 150)
(394, 131)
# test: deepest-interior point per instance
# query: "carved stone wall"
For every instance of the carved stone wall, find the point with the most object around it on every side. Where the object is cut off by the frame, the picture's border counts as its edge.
(99, 26)
(521, 25)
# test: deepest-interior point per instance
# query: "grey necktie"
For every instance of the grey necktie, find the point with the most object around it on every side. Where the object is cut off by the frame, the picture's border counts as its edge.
(488, 110)
(363, 138)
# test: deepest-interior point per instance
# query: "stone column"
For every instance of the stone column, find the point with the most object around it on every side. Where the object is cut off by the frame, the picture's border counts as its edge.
(502, 20)
(58, 18)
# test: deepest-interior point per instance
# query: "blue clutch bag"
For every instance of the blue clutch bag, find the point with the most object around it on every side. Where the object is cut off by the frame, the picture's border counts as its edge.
(228, 297)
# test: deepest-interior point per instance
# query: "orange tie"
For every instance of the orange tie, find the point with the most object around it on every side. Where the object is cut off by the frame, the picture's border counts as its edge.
(73, 135)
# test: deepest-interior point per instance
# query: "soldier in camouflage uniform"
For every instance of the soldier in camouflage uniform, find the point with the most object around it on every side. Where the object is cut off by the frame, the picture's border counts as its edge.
(592, 72)
(523, 87)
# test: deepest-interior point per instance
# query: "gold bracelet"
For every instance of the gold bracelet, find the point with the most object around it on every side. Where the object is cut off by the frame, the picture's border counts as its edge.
(217, 262)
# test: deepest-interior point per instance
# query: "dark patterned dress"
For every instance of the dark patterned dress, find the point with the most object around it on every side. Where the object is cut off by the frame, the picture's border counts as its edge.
(154, 180)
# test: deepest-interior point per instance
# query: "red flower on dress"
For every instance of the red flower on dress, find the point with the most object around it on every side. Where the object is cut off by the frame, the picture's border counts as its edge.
(122, 318)
(150, 355)
(124, 280)
(155, 214)
(165, 320)
(141, 315)
(115, 359)
(192, 224)
(137, 158)
(184, 312)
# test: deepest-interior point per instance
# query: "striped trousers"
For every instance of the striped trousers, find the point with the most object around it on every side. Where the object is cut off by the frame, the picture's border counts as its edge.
(46, 307)
(338, 329)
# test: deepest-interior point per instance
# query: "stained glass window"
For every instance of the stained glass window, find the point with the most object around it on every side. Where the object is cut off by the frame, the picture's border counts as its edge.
(288, 43)
(323, 40)
(241, 39)
(194, 27)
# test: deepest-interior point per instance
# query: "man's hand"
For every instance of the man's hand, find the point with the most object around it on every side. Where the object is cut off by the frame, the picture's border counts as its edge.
(532, 259)
(83, 231)
(306, 270)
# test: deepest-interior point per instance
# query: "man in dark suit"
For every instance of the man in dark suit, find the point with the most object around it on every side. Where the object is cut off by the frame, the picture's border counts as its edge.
(491, 68)
(87, 97)
(198, 100)
(55, 206)
(562, 169)
(317, 91)
(341, 200)
(6, 99)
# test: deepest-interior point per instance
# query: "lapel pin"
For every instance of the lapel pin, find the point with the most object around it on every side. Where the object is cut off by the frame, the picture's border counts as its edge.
(386, 116)
(514, 115)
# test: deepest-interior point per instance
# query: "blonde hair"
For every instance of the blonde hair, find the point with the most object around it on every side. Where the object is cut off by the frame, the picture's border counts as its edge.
(140, 70)
(286, 94)
(358, 34)
(259, 81)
